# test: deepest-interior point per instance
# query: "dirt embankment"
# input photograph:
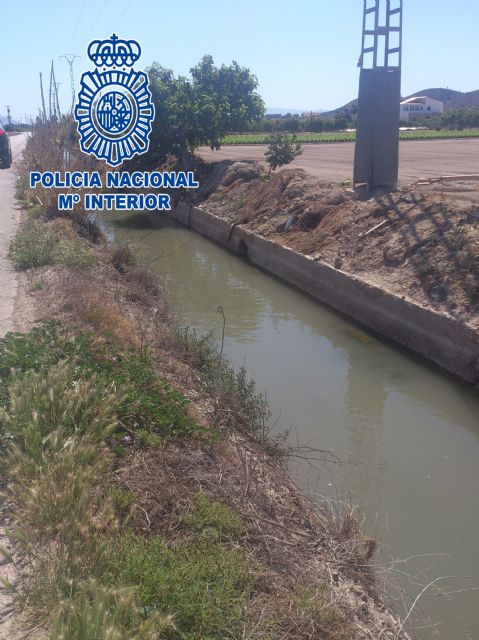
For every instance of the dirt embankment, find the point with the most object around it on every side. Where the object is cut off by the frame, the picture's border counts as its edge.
(421, 243)
(312, 577)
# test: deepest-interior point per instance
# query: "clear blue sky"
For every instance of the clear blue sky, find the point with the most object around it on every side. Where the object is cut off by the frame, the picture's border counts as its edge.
(304, 52)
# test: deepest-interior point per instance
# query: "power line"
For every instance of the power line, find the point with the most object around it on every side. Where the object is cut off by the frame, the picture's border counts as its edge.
(99, 15)
(78, 20)
(127, 6)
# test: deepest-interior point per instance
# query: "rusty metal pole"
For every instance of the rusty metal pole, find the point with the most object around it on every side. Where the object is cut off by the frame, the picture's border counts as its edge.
(376, 159)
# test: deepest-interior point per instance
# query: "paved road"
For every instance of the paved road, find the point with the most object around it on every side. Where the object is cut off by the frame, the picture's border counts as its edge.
(9, 216)
(417, 159)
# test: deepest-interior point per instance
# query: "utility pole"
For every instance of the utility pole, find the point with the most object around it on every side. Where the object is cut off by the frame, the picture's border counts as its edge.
(50, 94)
(54, 104)
(376, 160)
(57, 84)
(7, 107)
(70, 58)
(44, 116)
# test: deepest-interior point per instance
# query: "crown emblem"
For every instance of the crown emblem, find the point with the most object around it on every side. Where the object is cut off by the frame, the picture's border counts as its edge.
(114, 52)
(114, 111)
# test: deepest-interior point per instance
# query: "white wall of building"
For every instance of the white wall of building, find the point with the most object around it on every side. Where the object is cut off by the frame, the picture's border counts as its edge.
(420, 107)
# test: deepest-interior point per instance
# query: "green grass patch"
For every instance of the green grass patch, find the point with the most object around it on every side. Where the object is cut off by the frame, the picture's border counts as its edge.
(147, 404)
(36, 244)
(204, 586)
(349, 136)
(263, 138)
(123, 499)
(213, 519)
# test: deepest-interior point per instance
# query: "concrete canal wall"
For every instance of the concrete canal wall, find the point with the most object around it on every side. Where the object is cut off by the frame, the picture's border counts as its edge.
(443, 340)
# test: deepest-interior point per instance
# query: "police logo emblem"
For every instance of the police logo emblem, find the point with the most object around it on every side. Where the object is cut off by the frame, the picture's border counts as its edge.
(114, 110)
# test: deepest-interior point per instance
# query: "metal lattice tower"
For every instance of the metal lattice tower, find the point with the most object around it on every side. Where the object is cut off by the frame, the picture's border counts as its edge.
(386, 31)
(376, 159)
(70, 58)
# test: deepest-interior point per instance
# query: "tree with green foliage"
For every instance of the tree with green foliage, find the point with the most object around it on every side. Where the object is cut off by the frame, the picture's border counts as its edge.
(281, 150)
(200, 110)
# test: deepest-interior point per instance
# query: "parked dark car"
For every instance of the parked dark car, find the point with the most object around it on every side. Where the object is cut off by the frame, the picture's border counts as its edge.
(5, 149)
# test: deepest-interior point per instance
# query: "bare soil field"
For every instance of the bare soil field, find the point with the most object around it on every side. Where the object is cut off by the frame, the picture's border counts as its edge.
(334, 162)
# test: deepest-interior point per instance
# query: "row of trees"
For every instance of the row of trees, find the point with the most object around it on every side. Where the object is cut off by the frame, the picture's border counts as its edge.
(346, 119)
(461, 119)
(316, 124)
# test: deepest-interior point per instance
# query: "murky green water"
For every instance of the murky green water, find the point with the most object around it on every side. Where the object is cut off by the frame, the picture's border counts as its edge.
(410, 434)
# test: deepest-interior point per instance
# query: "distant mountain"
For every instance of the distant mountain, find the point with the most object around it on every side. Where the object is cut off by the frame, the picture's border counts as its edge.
(452, 100)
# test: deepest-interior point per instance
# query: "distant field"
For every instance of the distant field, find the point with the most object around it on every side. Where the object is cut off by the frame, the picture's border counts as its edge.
(350, 136)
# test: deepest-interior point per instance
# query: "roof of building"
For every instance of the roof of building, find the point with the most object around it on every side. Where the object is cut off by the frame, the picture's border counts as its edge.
(419, 100)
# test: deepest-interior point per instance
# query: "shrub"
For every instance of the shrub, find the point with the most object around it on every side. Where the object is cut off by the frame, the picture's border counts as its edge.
(281, 150)
(123, 255)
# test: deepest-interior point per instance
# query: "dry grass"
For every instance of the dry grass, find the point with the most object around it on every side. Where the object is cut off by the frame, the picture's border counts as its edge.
(314, 561)
(52, 147)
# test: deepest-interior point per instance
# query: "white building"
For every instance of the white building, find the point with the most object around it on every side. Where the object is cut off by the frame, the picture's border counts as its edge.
(420, 107)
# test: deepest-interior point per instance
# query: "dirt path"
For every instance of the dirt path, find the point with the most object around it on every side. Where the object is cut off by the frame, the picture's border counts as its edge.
(334, 162)
(9, 217)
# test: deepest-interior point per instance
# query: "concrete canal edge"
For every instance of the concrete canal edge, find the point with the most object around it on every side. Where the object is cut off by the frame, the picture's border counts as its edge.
(443, 340)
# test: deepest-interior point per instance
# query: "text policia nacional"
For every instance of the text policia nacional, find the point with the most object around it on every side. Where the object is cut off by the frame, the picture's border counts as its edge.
(77, 180)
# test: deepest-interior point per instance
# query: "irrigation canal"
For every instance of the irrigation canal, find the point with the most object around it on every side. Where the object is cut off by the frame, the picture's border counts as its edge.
(408, 435)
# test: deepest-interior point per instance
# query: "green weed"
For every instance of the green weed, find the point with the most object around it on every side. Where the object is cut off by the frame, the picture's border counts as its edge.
(149, 403)
(237, 401)
(37, 245)
(204, 585)
(107, 614)
(214, 518)
(147, 439)
(123, 499)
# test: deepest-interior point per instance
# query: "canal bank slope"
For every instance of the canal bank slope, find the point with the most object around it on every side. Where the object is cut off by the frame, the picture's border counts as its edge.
(155, 477)
(402, 264)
